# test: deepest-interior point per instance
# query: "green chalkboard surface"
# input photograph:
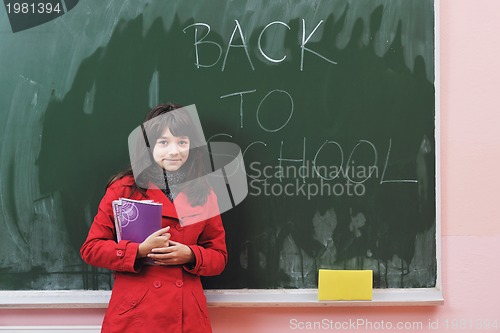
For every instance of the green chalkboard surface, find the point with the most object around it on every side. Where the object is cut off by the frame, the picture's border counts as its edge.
(332, 104)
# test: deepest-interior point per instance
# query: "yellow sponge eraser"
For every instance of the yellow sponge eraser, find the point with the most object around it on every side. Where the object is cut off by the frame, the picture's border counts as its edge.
(345, 285)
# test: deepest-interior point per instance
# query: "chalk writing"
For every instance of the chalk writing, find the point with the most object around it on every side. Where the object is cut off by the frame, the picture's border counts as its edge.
(289, 117)
(304, 42)
(238, 34)
(202, 41)
(240, 93)
(260, 39)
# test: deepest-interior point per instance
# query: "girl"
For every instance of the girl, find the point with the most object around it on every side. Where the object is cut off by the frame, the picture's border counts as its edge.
(167, 296)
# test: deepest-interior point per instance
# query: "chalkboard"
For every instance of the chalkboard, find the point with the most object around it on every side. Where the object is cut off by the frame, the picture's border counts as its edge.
(332, 104)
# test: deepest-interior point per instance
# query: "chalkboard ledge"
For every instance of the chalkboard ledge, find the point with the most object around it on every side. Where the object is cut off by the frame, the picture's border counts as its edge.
(226, 298)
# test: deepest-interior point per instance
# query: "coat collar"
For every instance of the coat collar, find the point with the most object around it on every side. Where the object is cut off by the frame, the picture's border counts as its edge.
(155, 194)
(185, 213)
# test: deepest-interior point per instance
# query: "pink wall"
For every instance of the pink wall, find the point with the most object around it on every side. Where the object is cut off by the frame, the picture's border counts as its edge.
(470, 143)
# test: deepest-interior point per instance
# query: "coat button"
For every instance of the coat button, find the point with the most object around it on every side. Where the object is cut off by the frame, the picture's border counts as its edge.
(178, 227)
(119, 253)
(179, 283)
(157, 284)
(134, 303)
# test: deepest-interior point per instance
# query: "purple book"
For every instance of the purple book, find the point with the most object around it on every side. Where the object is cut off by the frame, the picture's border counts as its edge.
(135, 220)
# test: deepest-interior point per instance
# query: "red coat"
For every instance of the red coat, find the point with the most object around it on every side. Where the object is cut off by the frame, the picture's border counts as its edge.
(148, 298)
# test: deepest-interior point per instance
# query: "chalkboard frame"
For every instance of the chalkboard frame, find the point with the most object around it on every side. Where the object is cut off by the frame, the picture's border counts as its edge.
(226, 298)
(45, 299)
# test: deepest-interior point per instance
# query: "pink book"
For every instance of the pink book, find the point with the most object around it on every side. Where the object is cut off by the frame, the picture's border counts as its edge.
(135, 220)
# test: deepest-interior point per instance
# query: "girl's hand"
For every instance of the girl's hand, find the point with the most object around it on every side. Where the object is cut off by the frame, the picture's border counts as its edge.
(175, 254)
(157, 239)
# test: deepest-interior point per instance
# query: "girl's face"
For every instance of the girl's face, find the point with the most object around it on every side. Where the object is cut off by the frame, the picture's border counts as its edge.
(171, 152)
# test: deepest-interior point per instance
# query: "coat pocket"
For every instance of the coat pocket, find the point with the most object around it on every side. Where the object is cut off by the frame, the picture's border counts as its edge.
(202, 304)
(131, 300)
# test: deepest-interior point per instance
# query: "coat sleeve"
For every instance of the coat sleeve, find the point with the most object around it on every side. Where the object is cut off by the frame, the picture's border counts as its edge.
(101, 249)
(210, 251)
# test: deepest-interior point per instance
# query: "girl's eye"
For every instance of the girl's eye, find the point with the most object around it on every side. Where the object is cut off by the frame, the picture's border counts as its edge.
(162, 142)
(183, 142)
